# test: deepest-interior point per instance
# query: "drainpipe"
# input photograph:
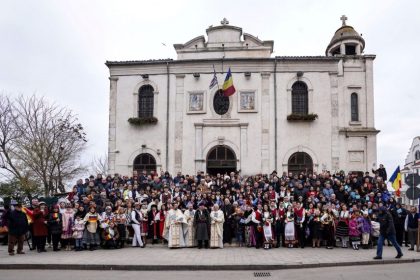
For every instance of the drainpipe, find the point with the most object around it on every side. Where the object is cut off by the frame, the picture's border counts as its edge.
(275, 114)
(167, 117)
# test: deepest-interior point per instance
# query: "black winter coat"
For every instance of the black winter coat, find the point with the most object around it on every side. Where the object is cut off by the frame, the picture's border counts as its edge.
(55, 225)
(18, 223)
(387, 224)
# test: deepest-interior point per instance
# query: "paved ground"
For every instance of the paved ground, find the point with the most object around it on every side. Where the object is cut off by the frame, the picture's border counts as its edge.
(374, 272)
(162, 258)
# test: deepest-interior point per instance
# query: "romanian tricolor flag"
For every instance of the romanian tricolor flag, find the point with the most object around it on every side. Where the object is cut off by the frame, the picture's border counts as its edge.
(228, 88)
(29, 214)
(395, 180)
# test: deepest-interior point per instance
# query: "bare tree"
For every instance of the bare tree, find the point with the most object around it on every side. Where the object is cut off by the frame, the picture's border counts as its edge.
(42, 139)
(99, 165)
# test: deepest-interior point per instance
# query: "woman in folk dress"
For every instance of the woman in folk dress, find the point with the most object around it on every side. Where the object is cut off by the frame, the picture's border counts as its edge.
(289, 229)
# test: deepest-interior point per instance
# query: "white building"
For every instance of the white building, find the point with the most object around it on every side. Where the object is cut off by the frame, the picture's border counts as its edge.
(288, 113)
(411, 168)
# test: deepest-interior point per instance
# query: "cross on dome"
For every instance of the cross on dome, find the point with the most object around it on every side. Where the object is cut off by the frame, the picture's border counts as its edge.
(343, 19)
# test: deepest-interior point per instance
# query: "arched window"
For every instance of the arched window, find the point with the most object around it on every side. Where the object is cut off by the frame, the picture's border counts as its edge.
(144, 162)
(145, 108)
(300, 162)
(300, 98)
(417, 155)
(354, 107)
(221, 159)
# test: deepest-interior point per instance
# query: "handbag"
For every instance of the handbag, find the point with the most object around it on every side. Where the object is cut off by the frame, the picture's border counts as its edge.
(4, 230)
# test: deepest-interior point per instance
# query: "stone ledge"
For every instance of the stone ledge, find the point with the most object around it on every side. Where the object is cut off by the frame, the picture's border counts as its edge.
(61, 266)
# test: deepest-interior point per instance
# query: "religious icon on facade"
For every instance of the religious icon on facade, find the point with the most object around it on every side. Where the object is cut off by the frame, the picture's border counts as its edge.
(196, 101)
(247, 101)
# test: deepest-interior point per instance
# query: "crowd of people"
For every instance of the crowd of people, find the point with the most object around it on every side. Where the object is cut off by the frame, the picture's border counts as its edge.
(203, 211)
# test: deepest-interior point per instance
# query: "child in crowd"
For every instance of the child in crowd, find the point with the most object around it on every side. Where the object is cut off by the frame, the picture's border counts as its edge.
(365, 229)
(78, 228)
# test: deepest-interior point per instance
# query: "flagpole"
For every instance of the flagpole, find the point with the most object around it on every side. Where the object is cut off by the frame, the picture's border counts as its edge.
(217, 80)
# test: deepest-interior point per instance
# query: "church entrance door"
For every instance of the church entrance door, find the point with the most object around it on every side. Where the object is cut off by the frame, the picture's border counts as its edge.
(144, 162)
(300, 162)
(221, 159)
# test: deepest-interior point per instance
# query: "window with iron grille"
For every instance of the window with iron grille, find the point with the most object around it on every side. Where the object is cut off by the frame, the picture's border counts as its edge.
(144, 162)
(146, 95)
(354, 107)
(300, 98)
(300, 162)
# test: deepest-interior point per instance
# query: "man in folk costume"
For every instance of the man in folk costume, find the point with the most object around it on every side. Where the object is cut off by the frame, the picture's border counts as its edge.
(279, 215)
(136, 221)
(217, 219)
(175, 227)
(154, 224)
(259, 232)
(189, 217)
(202, 222)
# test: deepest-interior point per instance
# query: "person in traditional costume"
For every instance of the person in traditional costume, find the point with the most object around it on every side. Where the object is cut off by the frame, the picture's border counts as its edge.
(107, 217)
(289, 228)
(154, 233)
(161, 217)
(327, 220)
(121, 221)
(249, 226)
(343, 225)
(190, 240)
(175, 227)
(136, 221)
(55, 224)
(279, 215)
(267, 219)
(144, 223)
(217, 218)
(202, 223)
(90, 235)
(316, 227)
(300, 218)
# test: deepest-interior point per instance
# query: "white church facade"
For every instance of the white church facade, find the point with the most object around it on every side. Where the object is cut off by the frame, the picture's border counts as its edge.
(293, 114)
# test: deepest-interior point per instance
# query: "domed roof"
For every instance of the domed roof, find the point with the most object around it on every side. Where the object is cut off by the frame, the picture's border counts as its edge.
(346, 32)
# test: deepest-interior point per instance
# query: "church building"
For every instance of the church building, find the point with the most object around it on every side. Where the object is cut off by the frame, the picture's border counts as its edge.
(288, 113)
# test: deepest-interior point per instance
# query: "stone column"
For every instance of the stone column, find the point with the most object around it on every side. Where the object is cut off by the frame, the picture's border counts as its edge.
(244, 144)
(265, 121)
(199, 160)
(335, 141)
(342, 49)
(179, 115)
(112, 134)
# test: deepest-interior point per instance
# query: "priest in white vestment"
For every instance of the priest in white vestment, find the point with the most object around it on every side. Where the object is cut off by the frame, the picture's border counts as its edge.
(175, 227)
(217, 218)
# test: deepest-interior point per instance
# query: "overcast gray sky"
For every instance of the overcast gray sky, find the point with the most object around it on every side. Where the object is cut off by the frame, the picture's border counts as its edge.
(58, 49)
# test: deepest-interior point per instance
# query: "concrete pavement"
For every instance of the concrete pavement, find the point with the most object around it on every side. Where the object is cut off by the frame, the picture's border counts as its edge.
(158, 257)
(373, 272)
